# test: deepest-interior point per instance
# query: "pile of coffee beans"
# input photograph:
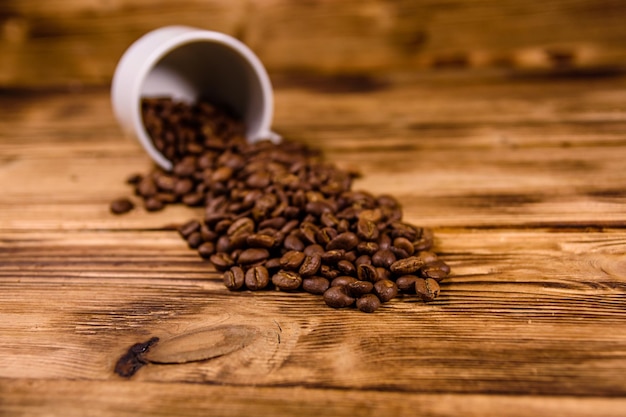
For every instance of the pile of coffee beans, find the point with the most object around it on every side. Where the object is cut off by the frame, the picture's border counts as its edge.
(277, 217)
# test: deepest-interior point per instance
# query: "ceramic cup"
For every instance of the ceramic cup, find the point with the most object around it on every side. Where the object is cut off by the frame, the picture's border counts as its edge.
(185, 64)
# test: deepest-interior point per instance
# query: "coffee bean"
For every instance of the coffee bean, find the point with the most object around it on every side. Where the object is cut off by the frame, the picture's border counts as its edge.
(328, 272)
(383, 258)
(188, 228)
(427, 289)
(367, 230)
(273, 263)
(368, 248)
(367, 272)
(253, 255)
(333, 256)
(310, 265)
(359, 288)
(292, 259)
(404, 244)
(346, 267)
(424, 241)
(260, 241)
(312, 250)
(337, 297)
(152, 204)
(406, 266)
(257, 278)
(406, 283)
(121, 206)
(345, 241)
(206, 249)
(342, 280)
(234, 278)
(194, 240)
(315, 285)
(437, 270)
(382, 273)
(222, 261)
(368, 303)
(287, 280)
(363, 259)
(242, 225)
(292, 242)
(427, 256)
(385, 289)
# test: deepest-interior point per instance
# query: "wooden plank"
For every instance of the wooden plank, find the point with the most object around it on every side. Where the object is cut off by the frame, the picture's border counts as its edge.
(524, 312)
(24, 397)
(85, 39)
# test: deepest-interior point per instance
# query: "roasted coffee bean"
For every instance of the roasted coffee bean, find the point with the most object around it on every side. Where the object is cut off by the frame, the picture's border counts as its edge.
(206, 249)
(222, 261)
(273, 263)
(399, 229)
(333, 256)
(384, 241)
(146, 187)
(366, 272)
(406, 266)
(328, 272)
(367, 230)
(337, 297)
(166, 198)
(292, 260)
(315, 285)
(257, 278)
(208, 235)
(427, 289)
(368, 248)
(234, 278)
(287, 280)
(194, 240)
(260, 241)
(293, 242)
(223, 244)
(383, 258)
(345, 241)
(188, 228)
(193, 200)
(328, 219)
(121, 206)
(359, 288)
(437, 270)
(346, 267)
(253, 255)
(406, 283)
(310, 265)
(342, 280)
(385, 289)
(350, 256)
(273, 223)
(424, 241)
(382, 273)
(312, 250)
(152, 204)
(242, 225)
(427, 256)
(404, 244)
(368, 303)
(363, 259)
(324, 235)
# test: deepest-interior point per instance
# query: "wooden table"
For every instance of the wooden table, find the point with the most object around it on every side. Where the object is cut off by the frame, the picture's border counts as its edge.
(522, 178)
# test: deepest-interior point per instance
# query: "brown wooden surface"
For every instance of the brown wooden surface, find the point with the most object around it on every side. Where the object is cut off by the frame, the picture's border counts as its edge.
(84, 39)
(522, 179)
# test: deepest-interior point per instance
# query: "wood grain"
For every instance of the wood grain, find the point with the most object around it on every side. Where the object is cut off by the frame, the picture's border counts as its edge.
(84, 40)
(522, 180)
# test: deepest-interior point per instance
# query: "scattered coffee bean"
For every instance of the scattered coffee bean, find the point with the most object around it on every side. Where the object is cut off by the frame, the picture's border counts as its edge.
(121, 206)
(368, 303)
(315, 285)
(277, 210)
(287, 280)
(234, 278)
(257, 278)
(337, 297)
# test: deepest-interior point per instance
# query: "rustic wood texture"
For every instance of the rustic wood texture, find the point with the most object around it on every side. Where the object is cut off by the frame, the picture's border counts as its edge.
(522, 179)
(84, 39)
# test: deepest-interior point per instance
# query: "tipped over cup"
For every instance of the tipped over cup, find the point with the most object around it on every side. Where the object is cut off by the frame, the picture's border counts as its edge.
(188, 64)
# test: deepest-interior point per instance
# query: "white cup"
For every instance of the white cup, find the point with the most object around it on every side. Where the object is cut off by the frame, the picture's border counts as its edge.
(186, 64)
